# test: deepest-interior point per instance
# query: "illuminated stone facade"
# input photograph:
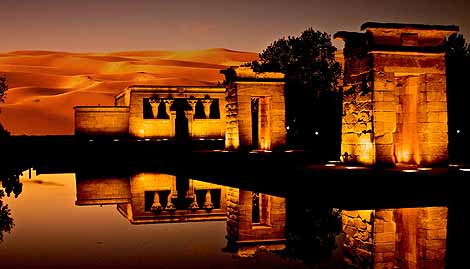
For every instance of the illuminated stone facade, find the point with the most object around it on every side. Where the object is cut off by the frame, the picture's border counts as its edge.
(395, 238)
(255, 109)
(254, 221)
(158, 112)
(394, 101)
(249, 113)
(155, 197)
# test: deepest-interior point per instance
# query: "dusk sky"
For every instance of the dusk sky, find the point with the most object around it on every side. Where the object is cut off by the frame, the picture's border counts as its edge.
(245, 25)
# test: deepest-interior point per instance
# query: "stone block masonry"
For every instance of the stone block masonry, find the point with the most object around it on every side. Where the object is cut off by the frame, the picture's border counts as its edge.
(395, 238)
(394, 102)
(255, 109)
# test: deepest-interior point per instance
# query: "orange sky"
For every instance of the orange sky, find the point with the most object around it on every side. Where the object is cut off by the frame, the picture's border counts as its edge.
(119, 25)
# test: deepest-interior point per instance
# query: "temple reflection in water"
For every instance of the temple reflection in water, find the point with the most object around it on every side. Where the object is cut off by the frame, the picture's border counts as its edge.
(254, 220)
(405, 237)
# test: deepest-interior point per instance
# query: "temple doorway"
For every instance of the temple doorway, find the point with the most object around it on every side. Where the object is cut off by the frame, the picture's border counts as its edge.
(180, 106)
(407, 141)
(255, 122)
(260, 126)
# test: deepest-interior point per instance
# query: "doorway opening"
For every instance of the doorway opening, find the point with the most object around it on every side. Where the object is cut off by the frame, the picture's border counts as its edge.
(180, 105)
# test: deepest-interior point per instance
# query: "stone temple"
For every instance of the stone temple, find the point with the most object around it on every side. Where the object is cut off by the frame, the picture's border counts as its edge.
(394, 101)
(249, 112)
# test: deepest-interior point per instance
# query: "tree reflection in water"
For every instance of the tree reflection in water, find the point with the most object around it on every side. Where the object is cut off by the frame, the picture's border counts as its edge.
(10, 181)
(311, 232)
(6, 221)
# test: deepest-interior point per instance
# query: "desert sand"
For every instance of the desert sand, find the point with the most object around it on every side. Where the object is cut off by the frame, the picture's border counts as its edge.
(44, 86)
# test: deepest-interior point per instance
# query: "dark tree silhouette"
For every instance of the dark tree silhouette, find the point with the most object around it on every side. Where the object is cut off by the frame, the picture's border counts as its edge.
(313, 103)
(6, 221)
(3, 92)
(310, 232)
(458, 94)
(3, 88)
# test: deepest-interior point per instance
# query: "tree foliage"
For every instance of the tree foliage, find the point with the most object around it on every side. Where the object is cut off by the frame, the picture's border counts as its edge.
(3, 92)
(3, 88)
(458, 94)
(312, 74)
(6, 221)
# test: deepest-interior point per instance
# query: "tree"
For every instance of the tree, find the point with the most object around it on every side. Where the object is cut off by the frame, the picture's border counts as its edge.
(3, 88)
(458, 94)
(313, 103)
(6, 222)
(3, 94)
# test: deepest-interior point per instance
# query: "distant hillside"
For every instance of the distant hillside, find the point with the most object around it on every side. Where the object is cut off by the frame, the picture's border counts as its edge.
(44, 86)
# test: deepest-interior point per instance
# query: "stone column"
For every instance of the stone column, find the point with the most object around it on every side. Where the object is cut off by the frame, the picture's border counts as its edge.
(168, 103)
(172, 123)
(208, 201)
(207, 107)
(173, 195)
(169, 204)
(191, 194)
(192, 103)
(190, 116)
(156, 206)
(154, 103)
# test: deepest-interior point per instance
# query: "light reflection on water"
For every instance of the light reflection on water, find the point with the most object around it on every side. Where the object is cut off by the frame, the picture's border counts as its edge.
(161, 220)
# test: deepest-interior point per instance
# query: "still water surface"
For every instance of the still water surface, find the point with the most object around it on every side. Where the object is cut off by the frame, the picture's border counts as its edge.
(157, 220)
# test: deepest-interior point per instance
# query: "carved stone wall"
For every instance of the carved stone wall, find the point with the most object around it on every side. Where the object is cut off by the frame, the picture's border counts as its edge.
(357, 125)
(394, 103)
(165, 128)
(395, 238)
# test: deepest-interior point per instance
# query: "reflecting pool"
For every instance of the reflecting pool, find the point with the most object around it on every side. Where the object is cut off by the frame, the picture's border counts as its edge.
(152, 219)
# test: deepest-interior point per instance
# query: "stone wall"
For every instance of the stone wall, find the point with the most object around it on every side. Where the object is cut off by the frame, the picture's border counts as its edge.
(157, 182)
(358, 242)
(208, 128)
(101, 121)
(233, 214)
(123, 98)
(247, 237)
(242, 86)
(410, 106)
(394, 103)
(272, 120)
(232, 136)
(396, 238)
(102, 191)
(357, 142)
(165, 128)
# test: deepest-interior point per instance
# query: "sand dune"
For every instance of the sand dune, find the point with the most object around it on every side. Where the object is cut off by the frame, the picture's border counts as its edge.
(44, 86)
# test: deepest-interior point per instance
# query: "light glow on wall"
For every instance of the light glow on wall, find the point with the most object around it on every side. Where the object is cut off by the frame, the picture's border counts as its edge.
(366, 152)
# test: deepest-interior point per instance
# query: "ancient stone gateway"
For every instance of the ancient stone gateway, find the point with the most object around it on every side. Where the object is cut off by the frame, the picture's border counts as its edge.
(255, 109)
(394, 102)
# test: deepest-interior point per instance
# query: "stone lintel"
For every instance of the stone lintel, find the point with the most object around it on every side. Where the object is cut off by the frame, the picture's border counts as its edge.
(233, 74)
(410, 51)
(157, 89)
(101, 108)
(409, 26)
(344, 35)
